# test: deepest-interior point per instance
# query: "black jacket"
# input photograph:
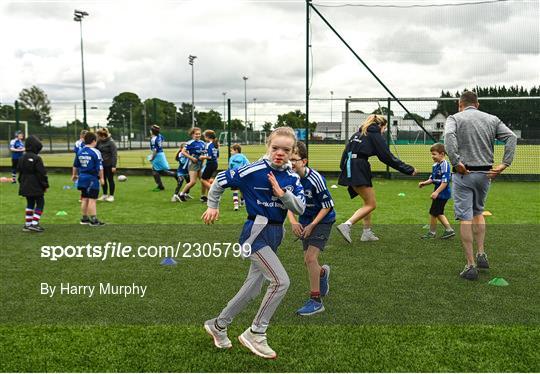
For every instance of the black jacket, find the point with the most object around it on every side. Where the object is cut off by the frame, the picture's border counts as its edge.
(33, 179)
(108, 151)
(372, 144)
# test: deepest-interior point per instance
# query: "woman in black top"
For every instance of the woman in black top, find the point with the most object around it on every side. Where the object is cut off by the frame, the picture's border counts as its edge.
(109, 153)
(356, 171)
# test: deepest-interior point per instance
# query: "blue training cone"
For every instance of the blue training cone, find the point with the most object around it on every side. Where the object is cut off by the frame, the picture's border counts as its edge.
(168, 261)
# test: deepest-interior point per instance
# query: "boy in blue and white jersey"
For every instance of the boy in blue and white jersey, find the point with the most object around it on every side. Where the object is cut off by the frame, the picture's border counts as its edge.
(88, 168)
(236, 161)
(182, 172)
(16, 146)
(270, 188)
(211, 155)
(314, 228)
(79, 144)
(440, 178)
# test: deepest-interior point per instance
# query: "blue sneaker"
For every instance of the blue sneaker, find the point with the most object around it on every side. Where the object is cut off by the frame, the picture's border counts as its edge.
(310, 307)
(324, 282)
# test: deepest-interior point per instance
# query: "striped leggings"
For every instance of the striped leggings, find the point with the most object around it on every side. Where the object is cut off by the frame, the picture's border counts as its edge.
(265, 265)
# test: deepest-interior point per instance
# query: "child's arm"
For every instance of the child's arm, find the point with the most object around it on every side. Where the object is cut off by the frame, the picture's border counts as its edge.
(296, 227)
(318, 218)
(74, 174)
(441, 188)
(425, 183)
(185, 153)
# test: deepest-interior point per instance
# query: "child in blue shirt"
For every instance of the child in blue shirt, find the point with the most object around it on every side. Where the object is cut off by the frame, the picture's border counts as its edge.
(16, 146)
(440, 177)
(314, 228)
(88, 169)
(211, 155)
(237, 161)
(270, 188)
(160, 165)
(193, 150)
(182, 172)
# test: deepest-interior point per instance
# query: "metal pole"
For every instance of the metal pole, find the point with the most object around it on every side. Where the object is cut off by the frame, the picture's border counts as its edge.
(83, 82)
(308, 3)
(191, 59)
(224, 109)
(346, 121)
(18, 115)
(388, 133)
(245, 108)
(130, 124)
(368, 69)
(229, 130)
(331, 106)
(254, 112)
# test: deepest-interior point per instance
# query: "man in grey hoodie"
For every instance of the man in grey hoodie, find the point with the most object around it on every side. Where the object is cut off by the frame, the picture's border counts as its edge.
(469, 136)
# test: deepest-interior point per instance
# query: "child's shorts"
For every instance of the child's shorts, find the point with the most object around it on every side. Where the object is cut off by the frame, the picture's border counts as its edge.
(209, 170)
(319, 236)
(195, 166)
(437, 207)
(89, 193)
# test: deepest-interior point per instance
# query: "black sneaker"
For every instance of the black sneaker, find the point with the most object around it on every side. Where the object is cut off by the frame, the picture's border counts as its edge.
(203, 199)
(84, 221)
(482, 261)
(97, 223)
(448, 234)
(182, 197)
(470, 273)
(26, 228)
(36, 228)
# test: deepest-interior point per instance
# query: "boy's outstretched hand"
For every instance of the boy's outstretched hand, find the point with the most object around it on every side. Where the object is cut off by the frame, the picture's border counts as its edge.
(278, 191)
(210, 215)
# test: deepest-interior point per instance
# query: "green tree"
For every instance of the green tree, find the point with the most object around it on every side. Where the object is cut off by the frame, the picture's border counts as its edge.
(209, 120)
(237, 125)
(382, 110)
(183, 117)
(296, 120)
(160, 112)
(119, 111)
(36, 100)
(267, 127)
(415, 116)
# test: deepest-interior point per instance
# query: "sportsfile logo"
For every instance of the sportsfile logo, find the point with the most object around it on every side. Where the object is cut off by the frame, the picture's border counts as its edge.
(123, 251)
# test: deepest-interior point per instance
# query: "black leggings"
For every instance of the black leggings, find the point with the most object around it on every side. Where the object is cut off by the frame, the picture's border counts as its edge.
(109, 181)
(157, 176)
(35, 203)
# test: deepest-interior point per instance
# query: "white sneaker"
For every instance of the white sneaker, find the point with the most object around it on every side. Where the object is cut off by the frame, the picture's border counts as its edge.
(345, 231)
(103, 197)
(175, 198)
(257, 344)
(221, 340)
(110, 198)
(368, 236)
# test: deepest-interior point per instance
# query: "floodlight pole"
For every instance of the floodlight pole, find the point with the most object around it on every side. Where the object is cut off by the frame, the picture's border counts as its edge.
(245, 107)
(224, 108)
(78, 17)
(192, 62)
(366, 66)
(254, 112)
(331, 106)
(308, 4)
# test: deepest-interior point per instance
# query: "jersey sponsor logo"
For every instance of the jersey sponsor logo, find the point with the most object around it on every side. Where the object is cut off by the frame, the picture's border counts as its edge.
(233, 173)
(271, 204)
(325, 196)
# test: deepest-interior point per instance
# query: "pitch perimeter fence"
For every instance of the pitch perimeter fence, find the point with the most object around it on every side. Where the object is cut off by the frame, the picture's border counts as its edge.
(332, 122)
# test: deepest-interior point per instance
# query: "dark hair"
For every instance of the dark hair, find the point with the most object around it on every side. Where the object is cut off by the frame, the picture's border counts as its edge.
(237, 147)
(468, 98)
(210, 134)
(301, 149)
(437, 147)
(155, 129)
(89, 137)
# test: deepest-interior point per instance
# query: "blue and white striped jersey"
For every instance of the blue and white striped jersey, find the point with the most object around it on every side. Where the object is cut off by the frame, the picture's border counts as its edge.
(16, 144)
(88, 162)
(252, 180)
(440, 173)
(317, 198)
(212, 151)
(195, 148)
(156, 143)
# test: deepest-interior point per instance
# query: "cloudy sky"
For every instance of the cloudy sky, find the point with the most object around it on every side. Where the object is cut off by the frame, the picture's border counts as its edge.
(142, 46)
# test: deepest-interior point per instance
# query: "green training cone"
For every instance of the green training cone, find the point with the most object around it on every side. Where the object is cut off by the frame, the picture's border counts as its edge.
(500, 282)
(401, 194)
(61, 213)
